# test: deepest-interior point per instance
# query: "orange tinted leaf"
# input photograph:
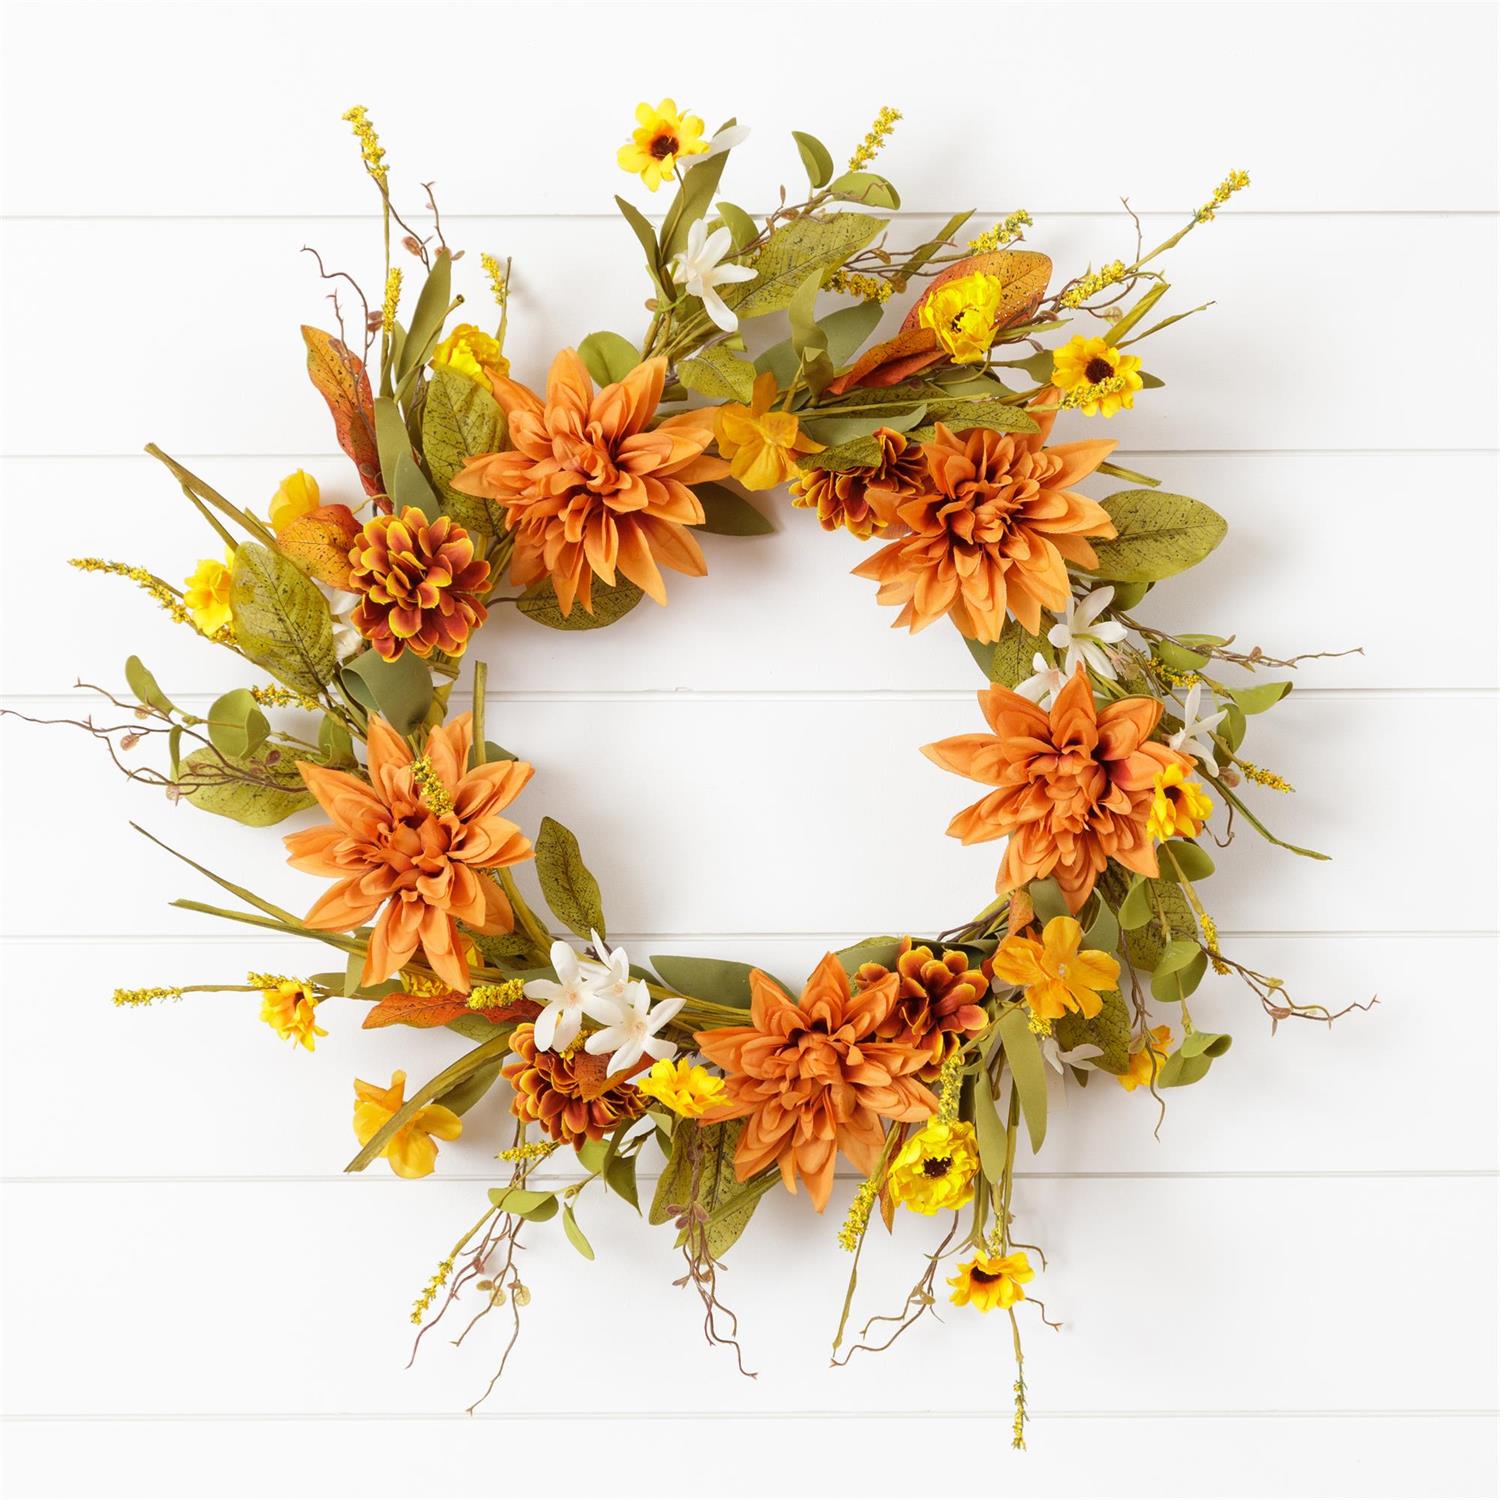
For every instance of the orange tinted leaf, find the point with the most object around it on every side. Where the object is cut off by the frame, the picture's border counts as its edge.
(319, 543)
(401, 1009)
(1023, 276)
(593, 1077)
(340, 377)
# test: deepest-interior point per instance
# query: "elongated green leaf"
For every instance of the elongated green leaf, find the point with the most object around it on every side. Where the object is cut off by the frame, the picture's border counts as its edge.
(1047, 900)
(611, 602)
(427, 319)
(571, 890)
(988, 1130)
(845, 330)
(610, 357)
(145, 687)
(997, 416)
(619, 1177)
(717, 979)
(1158, 535)
(699, 184)
(875, 950)
(793, 252)
(525, 1203)
(924, 252)
(719, 374)
(576, 1237)
(464, 1096)
(867, 188)
(708, 1152)
(728, 513)
(815, 158)
(399, 691)
(1024, 1054)
(281, 619)
(408, 484)
(641, 227)
(1257, 699)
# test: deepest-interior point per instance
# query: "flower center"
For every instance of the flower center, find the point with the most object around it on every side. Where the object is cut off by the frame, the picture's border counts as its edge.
(1097, 369)
(984, 1276)
(937, 1166)
(664, 146)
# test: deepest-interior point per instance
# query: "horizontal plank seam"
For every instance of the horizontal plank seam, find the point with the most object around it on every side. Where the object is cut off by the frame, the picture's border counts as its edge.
(1120, 454)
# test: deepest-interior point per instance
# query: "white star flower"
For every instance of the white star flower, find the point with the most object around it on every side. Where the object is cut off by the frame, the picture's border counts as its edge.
(611, 978)
(566, 1002)
(697, 269)
(1196, 737)
(633, 1034)
(1044, 684)
(1081, 639)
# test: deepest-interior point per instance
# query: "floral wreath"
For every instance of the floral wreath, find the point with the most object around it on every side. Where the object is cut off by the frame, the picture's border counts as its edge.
(1105, 749)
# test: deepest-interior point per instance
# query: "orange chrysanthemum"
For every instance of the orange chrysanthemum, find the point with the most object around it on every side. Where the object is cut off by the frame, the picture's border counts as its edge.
(422, 588)
(993, 530)
(864, 500)
(811, 1078)
(414, 839)
(588, 489)
(1073, 788)
(570, 1094)
(939, 1004)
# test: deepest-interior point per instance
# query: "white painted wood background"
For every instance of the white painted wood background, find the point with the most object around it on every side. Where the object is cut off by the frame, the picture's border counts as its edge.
(1292, 1291)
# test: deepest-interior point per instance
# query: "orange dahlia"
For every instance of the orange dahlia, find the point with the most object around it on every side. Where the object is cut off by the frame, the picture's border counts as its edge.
(588, 489)
(422, 587)
(570, 1093)
(939, 1002)
(1073, 787)
(993, 530)
(811, 1078)
(413, 839)
(864, 500)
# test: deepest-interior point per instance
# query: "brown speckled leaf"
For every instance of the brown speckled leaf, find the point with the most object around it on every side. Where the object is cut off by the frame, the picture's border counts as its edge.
(319, 543)
(401, 1009)
(340, 377)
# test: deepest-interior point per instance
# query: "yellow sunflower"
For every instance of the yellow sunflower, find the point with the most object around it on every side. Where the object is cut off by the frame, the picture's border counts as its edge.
(991, 1281)
(1178, 806)
(1084, 364)
(935, 1169)
(661, 136)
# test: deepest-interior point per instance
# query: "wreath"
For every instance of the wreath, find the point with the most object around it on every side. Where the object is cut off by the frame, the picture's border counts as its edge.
(1105, 748)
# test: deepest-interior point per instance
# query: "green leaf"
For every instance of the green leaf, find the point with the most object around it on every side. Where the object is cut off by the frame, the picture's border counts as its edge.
(793, 252)
(719, 374)
(875, 950)
(462, 1097)
(641, 227)
(408, 486)
(845, 329)
(1192, 1059)
(525, 1203)
(738, 223)
(868, 188)
(809, 340)
(576, 1237)
(399, 691)
(611, 602)
(1024, 1054)
(427, 318)
(699, 184)
(1143, 945)
(1103, 933)
(1135, 909)
(815, 158)
(1191, 859)
(1159, 535)
(335, 745)
(727, 513)
(835, 430)
(717, 979)
(1179, 970)
(460, 420)
(988, 1129)
(277, 793)
(1009, 660)
(1109, 1031)
(1206, 1044)
(997, 416)
(610, 357)
(619, 1175)
(281, 619)
(571, 891)
(236, 726)
(144, 686)
(710, 1149)
(1257, 699)
(1048, 900)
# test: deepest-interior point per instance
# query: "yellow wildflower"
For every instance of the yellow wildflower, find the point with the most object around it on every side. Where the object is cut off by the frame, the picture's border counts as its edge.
(370, 149)
(661, 136)
(935, 1169)
(1056, 977)
(869, 148)
(295, 496)
(1005, 233)
(207, 596)
(1178, 806)
(289, 1008)
(1093, 283)
(1222, 194)
(411, 1151)
(963, 314)
(1146, 1060)
(760, 444)
(473, 353)
(991, 1281)
(687, 1089)
(1084, 364)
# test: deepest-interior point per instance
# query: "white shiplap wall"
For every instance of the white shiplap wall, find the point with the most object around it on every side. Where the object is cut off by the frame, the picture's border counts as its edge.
(1292, 1290)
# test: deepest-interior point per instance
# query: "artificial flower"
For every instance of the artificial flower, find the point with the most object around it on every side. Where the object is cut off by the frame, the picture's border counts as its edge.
(964, 314)
(727, 139)
(289, 1008)
(421, 586)
(347, 641)
(700, 271)
(939, 1003)
(661, 136)
(412, 1152)
(1045, 682)
(1178, 806)
(1145, 1061)
(296, 495)
(993, 531)
(935, 1169)
(1055, 975)
(414, 840)
(472, 352)
(1073, 786)
(1083, 363)
(991, 1281)
(811, 1078)
(207, 594)
(864, 500)
(566, 1001)
(610, 973)
(1196, 737)
(588, 487)
(761, 445)
(632, 1033)
(686, 1088)
(1082, 638)
(573, 1096)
